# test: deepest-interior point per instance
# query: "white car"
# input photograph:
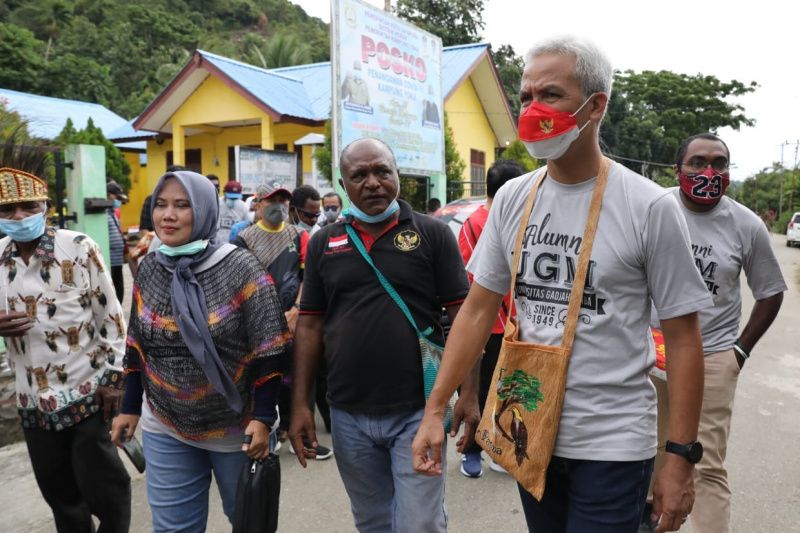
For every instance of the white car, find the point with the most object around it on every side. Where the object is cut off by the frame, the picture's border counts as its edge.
(793, 231)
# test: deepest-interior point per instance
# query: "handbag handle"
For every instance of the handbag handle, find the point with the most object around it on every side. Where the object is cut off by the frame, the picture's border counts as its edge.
(578, 285)
(385, 282)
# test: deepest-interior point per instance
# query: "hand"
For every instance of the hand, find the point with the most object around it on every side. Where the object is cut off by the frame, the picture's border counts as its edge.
(291, 318)
(258, 448)
(426, 450)
(673, 494)
(302, 429)
(466, 410)
(109, 399)
(14, 324)
(122, 428)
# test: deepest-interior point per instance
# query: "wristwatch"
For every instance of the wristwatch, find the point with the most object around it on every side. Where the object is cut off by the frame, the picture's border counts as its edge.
(692, 452)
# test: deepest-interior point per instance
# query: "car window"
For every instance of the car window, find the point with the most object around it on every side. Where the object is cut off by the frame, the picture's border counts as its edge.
(796, 217)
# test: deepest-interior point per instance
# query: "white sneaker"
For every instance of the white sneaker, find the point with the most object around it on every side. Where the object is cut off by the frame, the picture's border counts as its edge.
(497, 468)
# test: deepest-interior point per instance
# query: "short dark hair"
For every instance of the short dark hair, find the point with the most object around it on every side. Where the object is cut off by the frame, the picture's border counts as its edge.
(334, 195)
(213, 177)
(434, 204)
(302, 194)
(681, 153)
(500, 172)
(176, 168)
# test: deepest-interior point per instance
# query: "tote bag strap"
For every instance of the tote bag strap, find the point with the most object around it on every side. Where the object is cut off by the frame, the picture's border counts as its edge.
(390, 290)
(576, 295)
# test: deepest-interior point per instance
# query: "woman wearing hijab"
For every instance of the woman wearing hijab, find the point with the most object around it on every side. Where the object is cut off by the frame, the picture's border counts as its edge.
(205, 345)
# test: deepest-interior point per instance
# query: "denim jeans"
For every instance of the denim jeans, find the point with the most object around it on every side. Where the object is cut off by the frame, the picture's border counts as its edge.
(178, 479)
(596, 496)
(373, 454)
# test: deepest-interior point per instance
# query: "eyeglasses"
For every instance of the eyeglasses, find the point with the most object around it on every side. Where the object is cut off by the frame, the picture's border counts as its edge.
(699, 164)
(308, 213)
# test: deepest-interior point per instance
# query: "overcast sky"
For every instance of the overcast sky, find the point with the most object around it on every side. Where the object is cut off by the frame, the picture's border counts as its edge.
(746, 41)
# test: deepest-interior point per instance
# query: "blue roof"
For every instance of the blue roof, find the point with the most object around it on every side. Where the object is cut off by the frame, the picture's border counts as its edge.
(127, 133)
(46, 116)
(457, 61)
(286, 95)
(316, 78)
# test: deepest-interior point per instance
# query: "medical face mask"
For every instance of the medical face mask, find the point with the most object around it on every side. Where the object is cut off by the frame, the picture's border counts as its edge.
(705, 188)
(26, 230)
(230, 202)
(547, 132)
(117, 203)
(190, 248)
(358, 214)
(276, 213)
(331, 214)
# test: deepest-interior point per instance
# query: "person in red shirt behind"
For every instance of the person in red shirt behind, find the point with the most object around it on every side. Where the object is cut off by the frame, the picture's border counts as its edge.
(499, 173)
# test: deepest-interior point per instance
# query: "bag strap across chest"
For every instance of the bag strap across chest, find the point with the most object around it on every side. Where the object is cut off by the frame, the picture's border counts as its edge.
(576, 294)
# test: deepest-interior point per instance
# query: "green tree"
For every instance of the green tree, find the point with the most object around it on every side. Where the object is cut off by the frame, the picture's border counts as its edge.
(454, 165)
(650, 113)
(517, 152)
(509, 69)
(77, 78)
(281, 50)
(45, 19)
(20, 58)
(117, 168)
(455, 21)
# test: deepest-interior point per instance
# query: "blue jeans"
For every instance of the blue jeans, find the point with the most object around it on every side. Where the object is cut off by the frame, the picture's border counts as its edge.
(373, 454)
(178, 479)
(596, 496)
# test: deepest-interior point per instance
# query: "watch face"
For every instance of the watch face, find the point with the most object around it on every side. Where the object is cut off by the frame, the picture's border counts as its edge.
(695, 453)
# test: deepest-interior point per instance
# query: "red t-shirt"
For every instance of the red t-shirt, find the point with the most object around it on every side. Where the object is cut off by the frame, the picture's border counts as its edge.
(467, 240)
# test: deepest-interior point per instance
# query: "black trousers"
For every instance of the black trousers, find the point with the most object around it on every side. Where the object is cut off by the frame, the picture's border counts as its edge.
(119, 282)
(491, 352)
(80, 474)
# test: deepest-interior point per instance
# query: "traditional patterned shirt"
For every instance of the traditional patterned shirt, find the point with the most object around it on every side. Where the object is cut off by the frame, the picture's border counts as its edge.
(78, 336)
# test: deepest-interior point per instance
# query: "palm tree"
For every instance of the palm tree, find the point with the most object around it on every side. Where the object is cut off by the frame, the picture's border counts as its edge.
(281, 50)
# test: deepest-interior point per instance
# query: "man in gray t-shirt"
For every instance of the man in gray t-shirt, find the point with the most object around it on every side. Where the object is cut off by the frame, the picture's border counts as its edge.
(727, 238)
(598, 475)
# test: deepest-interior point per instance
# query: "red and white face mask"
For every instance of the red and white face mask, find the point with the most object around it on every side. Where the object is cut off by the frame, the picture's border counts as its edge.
(706, 188)
(547, 132)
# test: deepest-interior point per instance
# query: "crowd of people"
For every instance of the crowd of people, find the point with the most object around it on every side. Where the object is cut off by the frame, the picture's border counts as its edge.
(248, 315)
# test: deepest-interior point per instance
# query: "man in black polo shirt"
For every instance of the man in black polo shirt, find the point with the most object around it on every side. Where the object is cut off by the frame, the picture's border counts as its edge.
(375, 383)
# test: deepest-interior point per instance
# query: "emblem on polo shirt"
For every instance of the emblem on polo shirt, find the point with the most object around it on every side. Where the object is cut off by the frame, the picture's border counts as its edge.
(407, 240)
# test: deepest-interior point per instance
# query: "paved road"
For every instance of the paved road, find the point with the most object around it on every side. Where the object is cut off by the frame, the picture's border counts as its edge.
(763, 464)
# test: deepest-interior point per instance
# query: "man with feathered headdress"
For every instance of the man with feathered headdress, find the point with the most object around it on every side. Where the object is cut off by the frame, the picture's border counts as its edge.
(57, 309)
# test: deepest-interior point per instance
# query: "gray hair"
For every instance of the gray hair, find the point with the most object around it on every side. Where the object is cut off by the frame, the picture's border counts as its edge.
(592, 67)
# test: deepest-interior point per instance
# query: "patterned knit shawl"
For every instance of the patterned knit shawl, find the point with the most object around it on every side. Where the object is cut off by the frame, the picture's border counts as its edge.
(188, 299)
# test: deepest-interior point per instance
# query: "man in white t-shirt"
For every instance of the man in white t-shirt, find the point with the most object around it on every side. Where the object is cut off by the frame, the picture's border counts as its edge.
(727, 238)
(598, 477)
(232, 209)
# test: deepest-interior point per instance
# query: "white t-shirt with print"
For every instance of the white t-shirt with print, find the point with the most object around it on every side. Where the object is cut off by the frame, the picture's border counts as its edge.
(726, 240)
(641, 251)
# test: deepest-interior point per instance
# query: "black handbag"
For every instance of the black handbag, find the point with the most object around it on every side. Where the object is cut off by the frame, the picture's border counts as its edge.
(258, 496)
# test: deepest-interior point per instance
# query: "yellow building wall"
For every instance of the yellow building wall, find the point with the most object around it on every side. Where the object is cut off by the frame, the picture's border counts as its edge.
(129, 213)
(471, 129)
(213, 101)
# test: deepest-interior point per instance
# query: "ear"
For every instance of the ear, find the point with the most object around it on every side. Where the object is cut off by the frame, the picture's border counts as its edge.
(599, 105)
(677, 171)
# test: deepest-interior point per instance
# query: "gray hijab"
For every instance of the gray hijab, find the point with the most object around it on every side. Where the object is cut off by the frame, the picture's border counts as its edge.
(187, 296)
